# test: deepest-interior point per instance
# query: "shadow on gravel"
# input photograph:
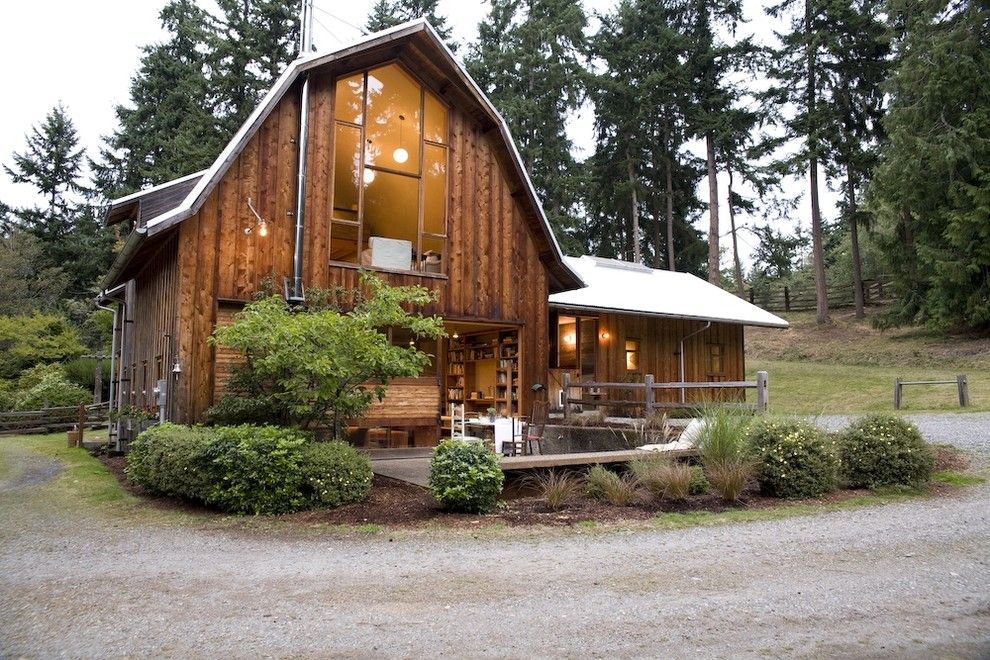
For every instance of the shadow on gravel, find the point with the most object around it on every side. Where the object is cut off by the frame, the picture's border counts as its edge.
(28, 472)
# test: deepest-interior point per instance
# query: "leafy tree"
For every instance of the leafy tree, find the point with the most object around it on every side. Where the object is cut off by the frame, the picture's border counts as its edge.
(36, 339)
(931, 190)
(321, 367)
(26, 285)
(389, 13)
(529, 60)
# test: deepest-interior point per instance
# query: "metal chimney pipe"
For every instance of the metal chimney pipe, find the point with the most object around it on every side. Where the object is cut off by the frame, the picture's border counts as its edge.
(305, 45)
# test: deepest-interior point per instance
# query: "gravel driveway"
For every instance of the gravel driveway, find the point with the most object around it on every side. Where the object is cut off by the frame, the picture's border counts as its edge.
(907, 579)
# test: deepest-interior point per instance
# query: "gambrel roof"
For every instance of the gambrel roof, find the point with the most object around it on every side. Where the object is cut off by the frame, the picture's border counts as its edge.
(389, 44)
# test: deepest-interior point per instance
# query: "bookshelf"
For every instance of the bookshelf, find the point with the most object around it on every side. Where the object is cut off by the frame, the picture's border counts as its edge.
(482, 371)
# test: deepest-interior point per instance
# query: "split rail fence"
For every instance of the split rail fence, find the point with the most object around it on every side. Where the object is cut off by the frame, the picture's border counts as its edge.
(962, 387)
(48, 420)
(777, 298)
(590, 389)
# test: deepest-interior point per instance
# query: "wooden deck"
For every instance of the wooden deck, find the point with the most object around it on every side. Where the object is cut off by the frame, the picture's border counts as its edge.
(539, 461)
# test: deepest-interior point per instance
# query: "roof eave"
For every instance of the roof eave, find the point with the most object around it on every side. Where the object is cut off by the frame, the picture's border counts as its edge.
(636, 312)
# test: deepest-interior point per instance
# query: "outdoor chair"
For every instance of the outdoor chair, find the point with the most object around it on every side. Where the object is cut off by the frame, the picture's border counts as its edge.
(537, 425)
(509, 436)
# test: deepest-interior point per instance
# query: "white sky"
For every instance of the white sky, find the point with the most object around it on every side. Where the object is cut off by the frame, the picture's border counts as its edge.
(83, 53)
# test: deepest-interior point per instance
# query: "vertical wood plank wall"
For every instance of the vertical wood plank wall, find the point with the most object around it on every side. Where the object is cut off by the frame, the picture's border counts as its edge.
(494, 272)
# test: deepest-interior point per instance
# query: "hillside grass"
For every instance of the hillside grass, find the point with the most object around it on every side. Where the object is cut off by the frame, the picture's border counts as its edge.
(849, 367)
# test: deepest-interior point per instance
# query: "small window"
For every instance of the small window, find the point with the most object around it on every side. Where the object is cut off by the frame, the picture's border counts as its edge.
(632, 355)
(716, 363)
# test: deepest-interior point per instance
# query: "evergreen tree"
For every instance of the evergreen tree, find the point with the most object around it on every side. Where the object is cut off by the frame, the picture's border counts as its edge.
(389, 13)
(797, 68)
(931, 190)
(529, 61)
(26, 284)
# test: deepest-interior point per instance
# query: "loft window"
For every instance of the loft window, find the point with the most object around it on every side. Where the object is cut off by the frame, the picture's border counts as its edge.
(390, 173)
(632, 355)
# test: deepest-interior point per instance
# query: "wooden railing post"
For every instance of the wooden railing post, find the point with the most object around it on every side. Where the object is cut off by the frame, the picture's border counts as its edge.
(897, 393)
(963, 390)
(648, 381)
(567, 395)
(762, 391)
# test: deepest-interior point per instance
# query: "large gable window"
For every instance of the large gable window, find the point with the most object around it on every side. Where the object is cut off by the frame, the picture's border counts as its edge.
(390, 173)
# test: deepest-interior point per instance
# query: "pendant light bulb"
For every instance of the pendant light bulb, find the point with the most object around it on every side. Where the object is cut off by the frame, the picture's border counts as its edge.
(400, 155)
(368, 176)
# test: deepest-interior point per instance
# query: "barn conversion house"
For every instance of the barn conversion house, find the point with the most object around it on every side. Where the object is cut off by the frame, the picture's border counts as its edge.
(385, 155)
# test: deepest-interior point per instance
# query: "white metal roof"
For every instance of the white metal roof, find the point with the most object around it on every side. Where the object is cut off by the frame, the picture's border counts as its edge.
(622, 286)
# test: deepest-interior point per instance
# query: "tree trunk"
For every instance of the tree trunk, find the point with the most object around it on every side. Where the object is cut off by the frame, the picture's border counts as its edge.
(736, 265)
(714, 274)
(637, 253)
(854, 240)
(817, 249)
(671, 263)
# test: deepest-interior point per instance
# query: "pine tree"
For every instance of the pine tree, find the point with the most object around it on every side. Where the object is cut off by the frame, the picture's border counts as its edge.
(931, 191)
(389, 13)
(797, 68)
(529, 61)
(26, 284)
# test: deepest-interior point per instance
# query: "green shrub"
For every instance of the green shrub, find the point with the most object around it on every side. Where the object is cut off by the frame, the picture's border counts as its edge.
(170, 459)
(794, 459)
(257, 469)
(27, 340)
(47, 385)
(233, 410)
(884, 450)
(334, 473)
(465, 477)
(81, 372)
(699, 482)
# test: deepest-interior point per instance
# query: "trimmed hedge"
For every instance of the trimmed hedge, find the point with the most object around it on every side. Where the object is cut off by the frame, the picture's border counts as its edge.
(247, 469)
(465, 477)
(884, 450)
(795, 459)
(334, 473)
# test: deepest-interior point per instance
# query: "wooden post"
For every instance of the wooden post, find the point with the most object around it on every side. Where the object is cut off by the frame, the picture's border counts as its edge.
(762, 391)
(897, 393)
(648, 381)
(567, 394)
(98, 381)
(963, 390)
(82, 423)
(787, 299)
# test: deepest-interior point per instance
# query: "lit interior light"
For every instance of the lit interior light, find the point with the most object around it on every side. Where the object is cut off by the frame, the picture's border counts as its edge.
(456, 335)
(368, 176)
(400, 155)
(569, 339)
(262, 229)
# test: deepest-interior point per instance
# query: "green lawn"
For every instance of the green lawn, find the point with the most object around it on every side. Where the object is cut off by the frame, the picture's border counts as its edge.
(813, 388)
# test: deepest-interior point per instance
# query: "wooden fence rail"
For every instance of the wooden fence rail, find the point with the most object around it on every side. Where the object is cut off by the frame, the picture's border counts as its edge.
(962, 386)
(650, 388)
(803, 298)
(48, 420)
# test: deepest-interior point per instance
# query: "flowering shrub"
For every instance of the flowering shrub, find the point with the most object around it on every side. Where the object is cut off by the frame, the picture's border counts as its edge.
(465, 477)
(884, 450)
(794, 459)
(334, 473)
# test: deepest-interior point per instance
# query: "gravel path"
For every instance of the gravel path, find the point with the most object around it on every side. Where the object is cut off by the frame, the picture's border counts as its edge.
(908, 579)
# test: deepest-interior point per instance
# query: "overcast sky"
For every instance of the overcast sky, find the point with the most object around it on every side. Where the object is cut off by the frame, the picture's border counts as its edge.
(83, 54)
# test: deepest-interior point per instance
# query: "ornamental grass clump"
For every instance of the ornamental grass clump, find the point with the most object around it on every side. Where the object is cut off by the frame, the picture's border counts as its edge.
(663, 477)
(794, 459)
(465, 477)
(884, 450)
(725, 452)
(334, 474)
(605, 485)
(555, 488)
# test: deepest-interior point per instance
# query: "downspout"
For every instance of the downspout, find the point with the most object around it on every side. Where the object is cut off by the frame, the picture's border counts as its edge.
(114, 377)
(681, 355)
(305, 45)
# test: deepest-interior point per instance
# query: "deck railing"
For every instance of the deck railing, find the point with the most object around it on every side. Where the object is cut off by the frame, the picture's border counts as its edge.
(650, 388)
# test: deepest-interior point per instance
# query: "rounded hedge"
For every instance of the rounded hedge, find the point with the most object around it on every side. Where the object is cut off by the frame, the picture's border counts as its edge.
(465, 477)
(334, 473)
(884, 450)
(170, 459)
(794, 459)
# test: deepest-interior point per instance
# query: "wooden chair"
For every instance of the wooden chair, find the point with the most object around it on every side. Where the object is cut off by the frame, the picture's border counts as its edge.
(536, 427)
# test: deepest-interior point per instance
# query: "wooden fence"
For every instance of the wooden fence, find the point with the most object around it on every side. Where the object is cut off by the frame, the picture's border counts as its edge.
(783, 298)
(48, 420)
(649, 387)
(962, 388)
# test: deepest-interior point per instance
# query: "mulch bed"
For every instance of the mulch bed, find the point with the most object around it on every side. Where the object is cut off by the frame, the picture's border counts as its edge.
(398, 504)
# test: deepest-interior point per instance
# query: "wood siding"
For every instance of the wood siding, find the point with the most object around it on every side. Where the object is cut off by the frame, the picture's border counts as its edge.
(494, 267)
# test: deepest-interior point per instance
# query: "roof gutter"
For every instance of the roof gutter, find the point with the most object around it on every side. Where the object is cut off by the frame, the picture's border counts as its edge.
(658, 315)
(131, 245)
